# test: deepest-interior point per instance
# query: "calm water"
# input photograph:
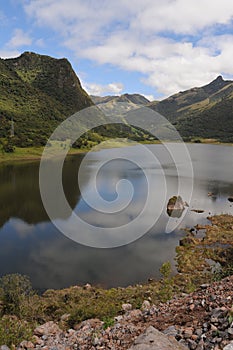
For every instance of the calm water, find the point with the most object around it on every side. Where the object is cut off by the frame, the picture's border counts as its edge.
(30, 244)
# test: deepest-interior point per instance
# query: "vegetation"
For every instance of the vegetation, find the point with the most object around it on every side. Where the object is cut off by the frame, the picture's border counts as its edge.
(204, 112)
(38, 93)
(13, 331)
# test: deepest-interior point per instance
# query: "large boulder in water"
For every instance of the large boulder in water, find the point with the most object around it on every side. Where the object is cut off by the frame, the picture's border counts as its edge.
(176, 206)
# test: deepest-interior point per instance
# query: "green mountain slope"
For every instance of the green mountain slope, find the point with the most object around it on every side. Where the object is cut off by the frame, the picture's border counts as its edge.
(37, 92)
(205, 112)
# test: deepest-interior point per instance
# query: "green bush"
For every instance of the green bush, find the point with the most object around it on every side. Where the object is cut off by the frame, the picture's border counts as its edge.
(13, 331)
(99, 310)
(167, 283)
(15, 294)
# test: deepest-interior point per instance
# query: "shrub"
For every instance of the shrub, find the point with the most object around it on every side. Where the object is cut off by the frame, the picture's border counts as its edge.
(16, 291)
(167, 283)
(13, 331)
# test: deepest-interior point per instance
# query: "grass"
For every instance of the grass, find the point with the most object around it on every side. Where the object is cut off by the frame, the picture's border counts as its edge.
(34, 153)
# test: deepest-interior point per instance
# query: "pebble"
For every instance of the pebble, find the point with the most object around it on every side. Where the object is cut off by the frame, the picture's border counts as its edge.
(126, 307)
(228, 347)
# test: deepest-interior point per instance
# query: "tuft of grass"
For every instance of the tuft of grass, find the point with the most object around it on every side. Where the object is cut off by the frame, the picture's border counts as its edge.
(13, 331)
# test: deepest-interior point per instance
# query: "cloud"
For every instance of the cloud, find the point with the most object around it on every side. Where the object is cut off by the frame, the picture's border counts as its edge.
(19, 39)
(101, 90)
(172, 45)
(4, 53)
(149, 97)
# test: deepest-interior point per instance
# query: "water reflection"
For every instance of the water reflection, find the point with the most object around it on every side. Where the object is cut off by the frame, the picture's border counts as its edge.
(30, 244)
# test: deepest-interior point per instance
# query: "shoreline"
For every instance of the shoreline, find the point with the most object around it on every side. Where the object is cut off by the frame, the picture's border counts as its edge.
(33, 154)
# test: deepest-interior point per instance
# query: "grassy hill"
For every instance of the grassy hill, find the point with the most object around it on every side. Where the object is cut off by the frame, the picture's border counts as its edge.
(205, 112)
(37, 92)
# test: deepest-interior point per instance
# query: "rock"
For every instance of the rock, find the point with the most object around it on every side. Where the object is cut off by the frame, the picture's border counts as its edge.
(188, 332)
(145, 305)
(229, 346)
(36, 340)
(186, 241)
(87, 286)
(152, 339)
(65, 317)
(172, 331)
(192, 307)
(230, 333)
(126, 307)
(4, 347)
(200, 227)
(199, 211)
(175, 206)
(26, 345)
(47, 329)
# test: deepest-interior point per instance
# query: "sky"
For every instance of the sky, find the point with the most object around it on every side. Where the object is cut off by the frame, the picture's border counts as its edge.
(152, 47)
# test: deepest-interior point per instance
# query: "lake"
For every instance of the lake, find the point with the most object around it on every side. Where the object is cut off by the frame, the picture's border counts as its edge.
(31, 244)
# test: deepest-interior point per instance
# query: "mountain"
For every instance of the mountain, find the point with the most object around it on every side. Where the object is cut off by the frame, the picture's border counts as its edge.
(201, 112)
(128, 98)
(37, 92)
(119, 105)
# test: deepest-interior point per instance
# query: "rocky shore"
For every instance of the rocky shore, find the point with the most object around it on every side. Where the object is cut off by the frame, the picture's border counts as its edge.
(202, 320)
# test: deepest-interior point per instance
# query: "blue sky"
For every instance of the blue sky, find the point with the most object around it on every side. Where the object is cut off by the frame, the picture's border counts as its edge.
(151, 47)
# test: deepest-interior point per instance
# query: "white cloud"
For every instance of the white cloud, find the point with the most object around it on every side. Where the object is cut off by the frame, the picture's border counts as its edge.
(19, 39)
(149, 97)
(102, 90)
(8, 53)
(172, 43)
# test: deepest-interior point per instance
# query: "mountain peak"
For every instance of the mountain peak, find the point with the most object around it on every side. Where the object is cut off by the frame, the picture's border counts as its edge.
(219, 78)
(216, 85)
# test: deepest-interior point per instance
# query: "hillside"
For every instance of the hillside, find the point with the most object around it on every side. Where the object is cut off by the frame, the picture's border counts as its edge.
(128, 98)
(204, 112)
(37, 92)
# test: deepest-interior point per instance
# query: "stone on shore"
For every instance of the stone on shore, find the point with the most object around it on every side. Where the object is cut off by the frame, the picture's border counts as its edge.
(152, 339)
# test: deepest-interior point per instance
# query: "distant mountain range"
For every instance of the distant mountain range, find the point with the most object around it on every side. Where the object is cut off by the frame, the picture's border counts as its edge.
(200, 112)
(127, 98)
(38, 92)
